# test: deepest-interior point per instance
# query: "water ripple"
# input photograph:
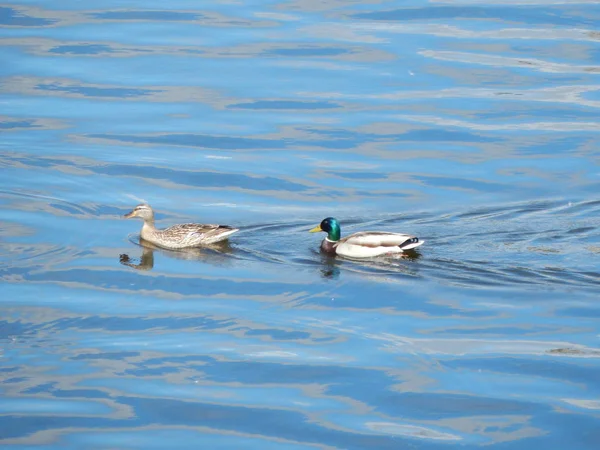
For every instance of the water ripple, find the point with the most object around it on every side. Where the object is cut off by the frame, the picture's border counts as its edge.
(471, 123)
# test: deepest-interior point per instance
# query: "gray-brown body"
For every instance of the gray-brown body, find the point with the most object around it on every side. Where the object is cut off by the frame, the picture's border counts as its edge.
(181, 236)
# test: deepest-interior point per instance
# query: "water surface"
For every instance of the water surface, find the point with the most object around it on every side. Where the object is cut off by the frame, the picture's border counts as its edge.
(470, 123)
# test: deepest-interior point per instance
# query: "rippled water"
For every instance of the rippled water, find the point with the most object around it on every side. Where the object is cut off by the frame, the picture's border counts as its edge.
(473, 124)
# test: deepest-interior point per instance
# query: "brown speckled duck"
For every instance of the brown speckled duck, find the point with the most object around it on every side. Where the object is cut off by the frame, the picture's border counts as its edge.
(181, 236)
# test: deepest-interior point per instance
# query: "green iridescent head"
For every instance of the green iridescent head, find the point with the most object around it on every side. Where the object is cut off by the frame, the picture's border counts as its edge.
(329, 226)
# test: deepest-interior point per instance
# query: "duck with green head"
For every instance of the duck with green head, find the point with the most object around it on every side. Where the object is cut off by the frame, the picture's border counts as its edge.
(364, 244)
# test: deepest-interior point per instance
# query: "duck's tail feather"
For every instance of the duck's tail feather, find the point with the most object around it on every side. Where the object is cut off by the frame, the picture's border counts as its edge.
(411, 243)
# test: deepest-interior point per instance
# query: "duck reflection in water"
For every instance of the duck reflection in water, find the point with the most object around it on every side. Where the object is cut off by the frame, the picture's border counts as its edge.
(331, 265)
(213, 254)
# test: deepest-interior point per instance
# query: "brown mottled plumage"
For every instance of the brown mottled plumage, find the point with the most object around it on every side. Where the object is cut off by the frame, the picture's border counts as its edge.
(179, 236)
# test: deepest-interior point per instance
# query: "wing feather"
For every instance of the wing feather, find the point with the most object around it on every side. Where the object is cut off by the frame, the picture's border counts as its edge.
(192, 234)
(368, 244)
(377, 239)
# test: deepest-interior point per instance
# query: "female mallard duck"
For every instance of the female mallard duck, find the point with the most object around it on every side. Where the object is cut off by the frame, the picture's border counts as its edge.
(178, 236)
(364, 244)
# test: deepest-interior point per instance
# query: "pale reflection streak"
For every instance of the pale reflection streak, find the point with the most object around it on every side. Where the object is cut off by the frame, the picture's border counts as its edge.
(70, 88)
(515, 2)
(593, 404)
(276, 52)
(572, 94)
(53, 18)
(505, 61)
(558, 126)
(455, 32)
(460, 346)
(149, 435)
(8, 124)
(403, 429)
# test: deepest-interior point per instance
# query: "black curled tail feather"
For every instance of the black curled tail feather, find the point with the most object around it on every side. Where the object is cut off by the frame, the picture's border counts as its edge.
(410, 241)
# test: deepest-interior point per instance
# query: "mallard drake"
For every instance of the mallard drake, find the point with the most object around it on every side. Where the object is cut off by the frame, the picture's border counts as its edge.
(178, 236)
(364, 244)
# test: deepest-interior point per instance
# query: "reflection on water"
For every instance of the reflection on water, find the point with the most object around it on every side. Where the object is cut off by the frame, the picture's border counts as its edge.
(214, 254)
(473, 124)
(330, 266)
(383, 265)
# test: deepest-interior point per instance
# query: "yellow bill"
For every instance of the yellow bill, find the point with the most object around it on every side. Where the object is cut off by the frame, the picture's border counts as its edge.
(316, 229)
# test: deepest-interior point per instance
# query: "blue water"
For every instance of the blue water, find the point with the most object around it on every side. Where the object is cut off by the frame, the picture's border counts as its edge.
(473, 124)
